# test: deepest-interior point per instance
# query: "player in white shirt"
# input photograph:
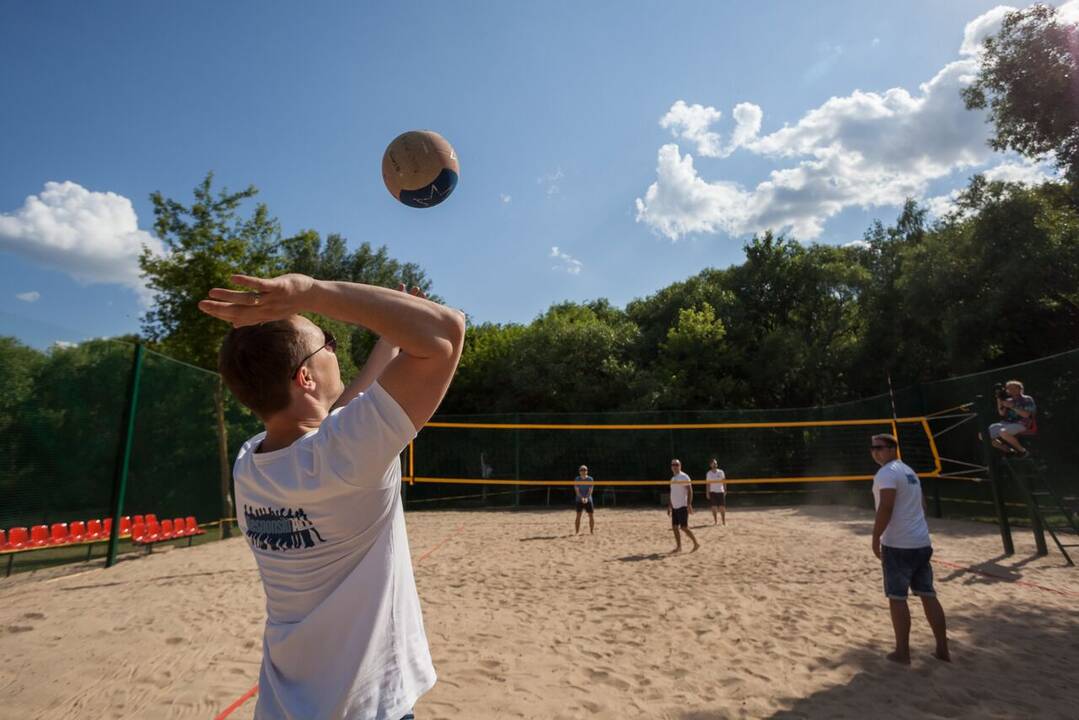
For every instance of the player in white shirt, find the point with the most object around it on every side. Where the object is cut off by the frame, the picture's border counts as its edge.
(680, 505)
(717, 491)
(582, 490)
(901, 542)
(319, 491)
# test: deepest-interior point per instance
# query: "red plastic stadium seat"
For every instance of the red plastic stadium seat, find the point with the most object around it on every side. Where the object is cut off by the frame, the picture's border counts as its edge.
(106, 527)
(39, 535)
(18, 538)
(125, 524)
(138, 531)
(77, 532)
(193, 526)
(150, 517)
(3, 540)
(166, 530)
(93, 530)
(138, 519)
(153, 531)
(179, 529)
(58, 534)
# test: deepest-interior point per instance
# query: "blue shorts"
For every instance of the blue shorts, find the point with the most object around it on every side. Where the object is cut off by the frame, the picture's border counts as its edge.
(907, 569)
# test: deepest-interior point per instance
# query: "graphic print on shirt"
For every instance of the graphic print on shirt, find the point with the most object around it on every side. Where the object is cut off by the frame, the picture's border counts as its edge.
(284, 529)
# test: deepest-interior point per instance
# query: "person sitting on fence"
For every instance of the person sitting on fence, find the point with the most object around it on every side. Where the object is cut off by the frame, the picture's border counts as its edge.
(321, 488)
(1018, 411)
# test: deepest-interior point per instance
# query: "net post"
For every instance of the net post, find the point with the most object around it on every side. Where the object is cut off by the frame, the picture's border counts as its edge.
(983, 405)
(517, 460)
(224, 469)
(123, 459)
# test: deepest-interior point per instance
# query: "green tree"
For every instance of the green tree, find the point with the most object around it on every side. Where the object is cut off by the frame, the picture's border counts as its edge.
(1029, 80)
(205, 243)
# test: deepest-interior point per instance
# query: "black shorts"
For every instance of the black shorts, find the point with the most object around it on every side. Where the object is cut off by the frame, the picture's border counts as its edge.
(718, 498)
(680, 517)
(585, 505)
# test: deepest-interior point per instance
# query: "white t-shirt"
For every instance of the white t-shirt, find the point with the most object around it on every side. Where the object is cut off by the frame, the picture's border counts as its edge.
(344, 633)
(907, 528)
(679, 490)
(716, 487)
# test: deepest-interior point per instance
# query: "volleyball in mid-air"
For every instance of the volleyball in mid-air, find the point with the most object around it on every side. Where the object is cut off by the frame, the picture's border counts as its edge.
(420, 168)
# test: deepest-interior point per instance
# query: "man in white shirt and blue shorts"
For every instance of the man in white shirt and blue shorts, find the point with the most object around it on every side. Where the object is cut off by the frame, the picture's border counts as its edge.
(319, 491)
(901, 542)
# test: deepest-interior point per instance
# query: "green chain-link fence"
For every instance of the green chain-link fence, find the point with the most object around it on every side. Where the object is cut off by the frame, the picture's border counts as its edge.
(63, 440)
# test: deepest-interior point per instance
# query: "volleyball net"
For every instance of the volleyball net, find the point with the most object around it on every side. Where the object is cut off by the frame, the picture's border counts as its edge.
(634, 457)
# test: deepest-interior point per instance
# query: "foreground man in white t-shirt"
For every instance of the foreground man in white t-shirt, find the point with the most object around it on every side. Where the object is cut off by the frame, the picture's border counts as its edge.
(318, 493)
(901, 542)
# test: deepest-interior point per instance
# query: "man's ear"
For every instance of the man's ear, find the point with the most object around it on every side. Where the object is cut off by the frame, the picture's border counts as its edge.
(304, 380)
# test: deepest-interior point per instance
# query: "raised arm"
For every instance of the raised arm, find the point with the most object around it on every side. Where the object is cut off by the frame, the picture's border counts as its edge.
(381, 355)
(430, 336)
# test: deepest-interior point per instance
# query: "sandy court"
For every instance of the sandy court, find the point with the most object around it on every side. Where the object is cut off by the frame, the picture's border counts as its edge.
(780, 614)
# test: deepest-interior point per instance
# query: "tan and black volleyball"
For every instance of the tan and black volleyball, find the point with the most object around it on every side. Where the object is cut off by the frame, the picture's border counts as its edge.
(420, 168)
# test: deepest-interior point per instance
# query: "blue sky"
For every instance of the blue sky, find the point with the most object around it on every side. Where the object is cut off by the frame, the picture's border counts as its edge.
(574, 124)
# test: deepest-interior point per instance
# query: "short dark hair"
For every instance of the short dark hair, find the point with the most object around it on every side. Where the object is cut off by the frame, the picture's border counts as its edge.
(255, 362)
(888, 439)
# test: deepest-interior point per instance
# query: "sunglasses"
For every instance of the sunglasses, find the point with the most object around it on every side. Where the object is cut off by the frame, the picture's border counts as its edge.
(329, 342)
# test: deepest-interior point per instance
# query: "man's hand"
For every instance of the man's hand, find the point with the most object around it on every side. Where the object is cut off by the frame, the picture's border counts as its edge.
(876, 546)
(690, 509)
(668, 510)
(269, 299)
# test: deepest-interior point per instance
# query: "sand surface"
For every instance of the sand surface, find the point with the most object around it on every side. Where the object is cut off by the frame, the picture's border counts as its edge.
(780, 614)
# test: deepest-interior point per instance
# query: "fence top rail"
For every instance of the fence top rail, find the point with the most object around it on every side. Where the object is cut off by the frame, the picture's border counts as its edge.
(674, 426)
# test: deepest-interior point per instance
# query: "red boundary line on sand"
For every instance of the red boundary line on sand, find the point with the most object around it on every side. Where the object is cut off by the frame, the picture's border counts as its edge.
(237, 703)
(1005, 578)
(251, 693)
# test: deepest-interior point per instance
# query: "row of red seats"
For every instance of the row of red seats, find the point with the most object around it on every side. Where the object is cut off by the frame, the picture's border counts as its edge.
(152, 531)
(138, 528)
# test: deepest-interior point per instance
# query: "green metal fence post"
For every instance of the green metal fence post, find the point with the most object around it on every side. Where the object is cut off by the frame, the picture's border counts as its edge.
(517, 460)
(983, 405)
(123, 460)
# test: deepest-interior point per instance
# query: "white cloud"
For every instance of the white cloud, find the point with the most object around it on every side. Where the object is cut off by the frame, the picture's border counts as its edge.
(565, 262)
(865, 149)
(1022, 172)
(552, 182)
(1068, 13)
(981, 27)
(28, 297)
(92, 236)
(692, 123)
(876, 41)
(747, 118)
(506, 199)
(64, 344)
